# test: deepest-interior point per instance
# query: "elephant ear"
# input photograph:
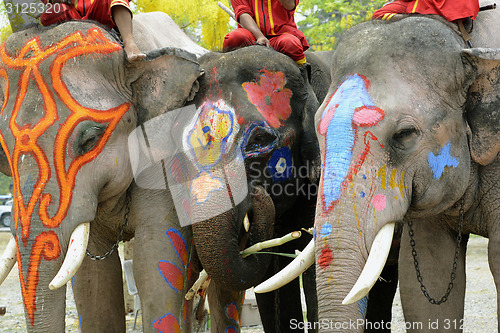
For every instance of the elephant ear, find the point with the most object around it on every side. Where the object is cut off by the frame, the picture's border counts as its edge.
(165, 80)
(483, 104)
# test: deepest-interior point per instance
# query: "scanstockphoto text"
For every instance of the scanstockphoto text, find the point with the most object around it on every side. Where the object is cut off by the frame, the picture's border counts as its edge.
(286, 182)
(432, 325)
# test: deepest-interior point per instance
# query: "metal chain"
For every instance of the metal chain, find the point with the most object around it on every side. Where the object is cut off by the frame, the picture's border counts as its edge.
(120, 236)
(455, 262)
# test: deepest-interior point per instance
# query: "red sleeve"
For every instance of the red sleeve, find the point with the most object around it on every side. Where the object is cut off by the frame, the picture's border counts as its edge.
(241, 7)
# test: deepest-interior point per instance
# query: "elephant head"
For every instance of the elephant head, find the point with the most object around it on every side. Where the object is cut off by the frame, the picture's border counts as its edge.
(394, 141)
(70, 100)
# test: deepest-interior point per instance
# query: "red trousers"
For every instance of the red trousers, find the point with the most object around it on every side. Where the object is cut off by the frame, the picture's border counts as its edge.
(97, 10)
(450, 10)
(285, 43)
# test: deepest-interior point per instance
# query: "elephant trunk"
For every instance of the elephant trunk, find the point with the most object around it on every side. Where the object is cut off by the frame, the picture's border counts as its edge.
(219, 241)
(340, 258)
(39, 259)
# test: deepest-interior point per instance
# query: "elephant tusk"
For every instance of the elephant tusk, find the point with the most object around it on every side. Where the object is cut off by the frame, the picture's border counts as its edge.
(8, 259)
(246, 223)
(374, 264)
(74, 257)
(303, 261)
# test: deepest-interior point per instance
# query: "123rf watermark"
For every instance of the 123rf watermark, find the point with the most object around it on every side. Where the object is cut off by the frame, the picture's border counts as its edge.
(433, 325)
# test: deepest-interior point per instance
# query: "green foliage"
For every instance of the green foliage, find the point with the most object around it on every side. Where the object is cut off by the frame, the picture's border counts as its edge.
(5, 29)
(4, 184)
(326, 20)
(16, 13)
(202, 20)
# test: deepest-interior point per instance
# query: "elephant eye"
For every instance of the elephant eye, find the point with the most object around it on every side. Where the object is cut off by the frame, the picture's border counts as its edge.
(88, 138)
(403, 138)
(260, 140)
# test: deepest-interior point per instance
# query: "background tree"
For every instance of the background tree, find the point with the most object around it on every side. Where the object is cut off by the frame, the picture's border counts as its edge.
(16, 13)
(324, 21)
(202, 20)
(4, 184)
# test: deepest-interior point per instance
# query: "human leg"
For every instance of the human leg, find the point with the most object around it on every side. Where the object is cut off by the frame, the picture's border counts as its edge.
(291, 46)
(391, 11)
(123, 20)
(238, 38)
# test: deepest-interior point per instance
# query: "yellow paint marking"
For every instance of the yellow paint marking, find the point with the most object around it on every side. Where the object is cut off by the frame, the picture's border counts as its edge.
(354, 209)
(381, 174)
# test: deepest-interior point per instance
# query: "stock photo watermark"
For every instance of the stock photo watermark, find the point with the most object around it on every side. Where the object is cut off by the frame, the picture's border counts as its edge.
(431, 324)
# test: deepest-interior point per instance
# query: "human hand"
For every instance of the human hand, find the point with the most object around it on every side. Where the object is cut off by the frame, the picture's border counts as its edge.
(263, 41)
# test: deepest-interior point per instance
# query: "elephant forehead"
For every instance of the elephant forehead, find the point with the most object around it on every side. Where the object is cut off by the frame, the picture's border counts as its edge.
(211, 133)
(270, 97)
(96, 90)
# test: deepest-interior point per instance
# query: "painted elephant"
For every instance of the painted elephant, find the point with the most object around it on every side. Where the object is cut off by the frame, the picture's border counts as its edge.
(70, 101)
(256, 118)
(409, 132)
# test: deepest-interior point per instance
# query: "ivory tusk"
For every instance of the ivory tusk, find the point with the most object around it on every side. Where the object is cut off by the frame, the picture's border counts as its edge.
(8, 259)
(303, 261)
(374, 264)
(74, 257)
(246, 223)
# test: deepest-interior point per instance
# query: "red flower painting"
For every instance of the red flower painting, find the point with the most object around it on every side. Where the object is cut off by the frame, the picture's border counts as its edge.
(270, 97)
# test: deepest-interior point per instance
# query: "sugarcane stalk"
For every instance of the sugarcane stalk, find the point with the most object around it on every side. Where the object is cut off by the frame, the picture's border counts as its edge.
(270, 243)
(201, 283)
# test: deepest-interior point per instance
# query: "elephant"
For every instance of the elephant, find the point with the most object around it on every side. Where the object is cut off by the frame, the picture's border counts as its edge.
(230, 154)
(409, 134)
(70, 100)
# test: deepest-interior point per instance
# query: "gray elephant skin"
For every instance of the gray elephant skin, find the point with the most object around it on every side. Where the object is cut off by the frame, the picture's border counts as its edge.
(408, 132)
(70, 100)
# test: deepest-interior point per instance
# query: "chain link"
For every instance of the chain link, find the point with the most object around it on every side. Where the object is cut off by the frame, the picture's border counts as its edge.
(120, 236)
(455, 262)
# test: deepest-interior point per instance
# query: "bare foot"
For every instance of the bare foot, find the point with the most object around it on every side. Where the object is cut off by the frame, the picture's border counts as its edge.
(133, 52)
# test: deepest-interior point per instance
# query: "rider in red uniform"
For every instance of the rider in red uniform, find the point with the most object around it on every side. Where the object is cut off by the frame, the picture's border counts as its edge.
(111, 13)
(450, 10)
(269, 23)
